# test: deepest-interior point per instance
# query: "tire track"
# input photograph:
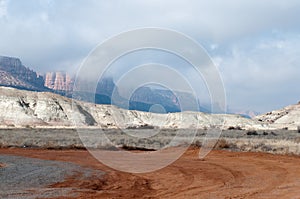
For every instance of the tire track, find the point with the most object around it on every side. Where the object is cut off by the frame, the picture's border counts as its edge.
(223, 174)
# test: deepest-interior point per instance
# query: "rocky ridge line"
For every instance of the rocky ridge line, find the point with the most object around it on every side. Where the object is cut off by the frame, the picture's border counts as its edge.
(13, 73)
(19, 108)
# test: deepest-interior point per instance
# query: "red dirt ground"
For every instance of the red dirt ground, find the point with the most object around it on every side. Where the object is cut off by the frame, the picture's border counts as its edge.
(222, 174)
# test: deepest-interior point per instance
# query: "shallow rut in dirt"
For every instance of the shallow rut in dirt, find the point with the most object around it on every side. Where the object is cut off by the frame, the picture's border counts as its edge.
(221, 175)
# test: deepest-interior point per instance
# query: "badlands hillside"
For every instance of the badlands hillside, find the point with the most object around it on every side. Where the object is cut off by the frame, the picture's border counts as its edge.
(19, 108)
(288, 117)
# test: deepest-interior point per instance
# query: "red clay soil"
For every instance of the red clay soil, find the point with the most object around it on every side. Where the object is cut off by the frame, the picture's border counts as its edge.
(222, 174)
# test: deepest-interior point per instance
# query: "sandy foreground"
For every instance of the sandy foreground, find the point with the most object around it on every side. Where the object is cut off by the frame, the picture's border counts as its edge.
(222, 174)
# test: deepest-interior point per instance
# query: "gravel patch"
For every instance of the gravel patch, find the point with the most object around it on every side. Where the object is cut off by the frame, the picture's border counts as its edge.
(31, 178)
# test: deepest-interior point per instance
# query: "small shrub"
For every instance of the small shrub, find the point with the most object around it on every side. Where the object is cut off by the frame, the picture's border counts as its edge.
(238, 128)
(231, 128)
(234, 128)
(27, 126)
(274, 134)
(144, 126)
(134, 148)
(265, 133)
(147, 126)
(222, 144)
(197, 143)
(297, 140)
(253, 132)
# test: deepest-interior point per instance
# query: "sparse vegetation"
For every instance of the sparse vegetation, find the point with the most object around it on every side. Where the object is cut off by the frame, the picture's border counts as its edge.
(276, 141)
(145, 126)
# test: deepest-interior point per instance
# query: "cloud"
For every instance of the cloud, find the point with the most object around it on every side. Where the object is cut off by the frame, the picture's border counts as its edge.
(3, 8)
(249, 40)
(57, 25)
(219, 20)
(263, 75)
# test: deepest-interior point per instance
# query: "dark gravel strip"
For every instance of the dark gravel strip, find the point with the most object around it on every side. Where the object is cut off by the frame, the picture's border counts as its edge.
(29, 177)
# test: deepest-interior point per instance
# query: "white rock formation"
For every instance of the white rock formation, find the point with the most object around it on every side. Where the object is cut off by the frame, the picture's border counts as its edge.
(288, 117)
(20, 108)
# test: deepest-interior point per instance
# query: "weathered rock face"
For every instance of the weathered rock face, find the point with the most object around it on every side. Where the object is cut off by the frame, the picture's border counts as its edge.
(145, 97)
(13, 73)
(59, 81)
(21, 108)
(288, 117)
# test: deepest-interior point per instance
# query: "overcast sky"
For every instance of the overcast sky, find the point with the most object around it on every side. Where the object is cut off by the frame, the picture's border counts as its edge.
(255, 44)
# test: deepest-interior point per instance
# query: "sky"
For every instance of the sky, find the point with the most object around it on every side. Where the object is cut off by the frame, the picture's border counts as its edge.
(255, 44)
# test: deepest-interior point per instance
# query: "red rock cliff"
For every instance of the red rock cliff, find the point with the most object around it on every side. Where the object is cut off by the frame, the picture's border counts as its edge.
(59, 81)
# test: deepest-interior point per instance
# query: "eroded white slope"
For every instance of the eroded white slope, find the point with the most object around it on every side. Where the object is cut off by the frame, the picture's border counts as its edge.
(287, 117)
(24, 108)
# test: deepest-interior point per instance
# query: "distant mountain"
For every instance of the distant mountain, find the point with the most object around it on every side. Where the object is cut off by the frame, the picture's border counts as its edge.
(14, 74)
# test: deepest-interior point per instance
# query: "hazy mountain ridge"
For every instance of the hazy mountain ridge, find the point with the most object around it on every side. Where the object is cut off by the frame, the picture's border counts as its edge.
(13, 73)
